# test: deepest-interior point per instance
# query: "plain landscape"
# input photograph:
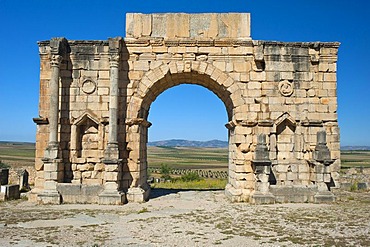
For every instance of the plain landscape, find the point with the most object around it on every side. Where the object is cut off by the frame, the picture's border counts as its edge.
(183, 216)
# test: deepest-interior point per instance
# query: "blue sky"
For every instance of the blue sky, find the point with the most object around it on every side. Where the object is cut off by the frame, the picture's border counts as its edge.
(202, 115)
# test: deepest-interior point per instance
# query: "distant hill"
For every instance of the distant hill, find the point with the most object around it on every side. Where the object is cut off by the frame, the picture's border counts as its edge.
(357, 148)
(187, 143)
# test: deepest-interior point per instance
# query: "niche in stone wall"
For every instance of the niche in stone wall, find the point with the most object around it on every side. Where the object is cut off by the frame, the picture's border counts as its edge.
(285, 137)
(86, 135)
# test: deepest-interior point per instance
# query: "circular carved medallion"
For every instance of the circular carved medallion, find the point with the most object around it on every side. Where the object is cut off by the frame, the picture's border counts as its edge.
(286, 88)
(88, 86)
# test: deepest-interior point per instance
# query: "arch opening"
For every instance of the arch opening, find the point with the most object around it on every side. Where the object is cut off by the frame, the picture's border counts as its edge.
(172, 80)
(195, 114)
(146, 95)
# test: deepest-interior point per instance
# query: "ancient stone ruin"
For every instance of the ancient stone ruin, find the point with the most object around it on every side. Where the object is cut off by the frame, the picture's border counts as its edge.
(95, 97)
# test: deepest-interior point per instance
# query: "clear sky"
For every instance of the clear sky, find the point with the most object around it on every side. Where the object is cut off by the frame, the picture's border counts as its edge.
(202, 115)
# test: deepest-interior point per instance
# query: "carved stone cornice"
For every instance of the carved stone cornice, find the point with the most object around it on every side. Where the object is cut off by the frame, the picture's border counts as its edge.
(187, 42)
(40, 120)
(139, 121)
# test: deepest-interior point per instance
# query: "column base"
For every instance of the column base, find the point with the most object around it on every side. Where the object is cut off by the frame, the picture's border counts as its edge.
(324, 197)
(112, 198)
(137, 194)
(237, 195)
(51, 151)
(49, 197)
(111, 153)
(262, 198)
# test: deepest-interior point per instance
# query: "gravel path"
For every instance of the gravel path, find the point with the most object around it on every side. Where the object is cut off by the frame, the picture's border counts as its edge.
(189, 218)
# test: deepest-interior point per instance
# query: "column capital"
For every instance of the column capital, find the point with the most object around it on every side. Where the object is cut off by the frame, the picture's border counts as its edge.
(114, 60)
(56, 60)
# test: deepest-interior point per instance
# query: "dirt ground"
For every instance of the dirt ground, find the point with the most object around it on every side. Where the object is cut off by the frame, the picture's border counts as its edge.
(188, 218)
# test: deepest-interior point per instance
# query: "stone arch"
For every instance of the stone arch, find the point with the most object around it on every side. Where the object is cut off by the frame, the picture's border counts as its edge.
(168, 75)
(153, 83)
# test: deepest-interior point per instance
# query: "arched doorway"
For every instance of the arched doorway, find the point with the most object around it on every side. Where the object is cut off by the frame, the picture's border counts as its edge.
(152, 85)
(187, 142)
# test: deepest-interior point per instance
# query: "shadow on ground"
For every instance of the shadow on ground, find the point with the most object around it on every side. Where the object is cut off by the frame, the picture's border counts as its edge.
(159, 192)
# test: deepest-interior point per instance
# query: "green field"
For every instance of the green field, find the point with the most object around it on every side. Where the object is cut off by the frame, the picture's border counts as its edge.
(188, 158)
(175, 157)
(22, 152)
(355, 159)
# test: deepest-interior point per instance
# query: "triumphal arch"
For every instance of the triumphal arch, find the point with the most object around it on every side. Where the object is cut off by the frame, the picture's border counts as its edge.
(95, 97)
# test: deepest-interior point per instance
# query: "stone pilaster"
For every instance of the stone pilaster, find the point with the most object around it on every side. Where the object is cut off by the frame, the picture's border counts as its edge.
(112, 193)
(321, 166)
(262, 169)
(111, 152)
(322, 152)
(53, 144)
(53, 166)
(139, 189)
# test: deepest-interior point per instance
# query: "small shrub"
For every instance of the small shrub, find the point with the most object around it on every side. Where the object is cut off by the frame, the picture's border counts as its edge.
(354, 186)
(166, 177)
(165, 171)
(144, 210)
(191, 176)
(3, 165)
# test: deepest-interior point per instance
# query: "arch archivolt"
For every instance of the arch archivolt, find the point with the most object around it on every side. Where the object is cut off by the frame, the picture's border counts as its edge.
(167, 75)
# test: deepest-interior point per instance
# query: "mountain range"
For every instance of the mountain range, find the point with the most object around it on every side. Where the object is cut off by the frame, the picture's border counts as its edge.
(187, 143)
(224, 144)
(355, 148)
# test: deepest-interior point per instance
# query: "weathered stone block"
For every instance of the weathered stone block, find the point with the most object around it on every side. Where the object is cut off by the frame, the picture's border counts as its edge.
(11, 191)
(4, 176)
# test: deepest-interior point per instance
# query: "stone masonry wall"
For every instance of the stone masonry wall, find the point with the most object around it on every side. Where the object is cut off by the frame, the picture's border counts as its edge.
(283, 92)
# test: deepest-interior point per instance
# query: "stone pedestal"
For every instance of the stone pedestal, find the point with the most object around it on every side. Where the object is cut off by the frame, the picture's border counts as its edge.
(262, 169)
(49, 197)
(53, 173)
(138, 194)
(324, 197)
(112, 194)
(322, 152)
(233, 194)
(236, 194)
(262, 198)
(112, 198)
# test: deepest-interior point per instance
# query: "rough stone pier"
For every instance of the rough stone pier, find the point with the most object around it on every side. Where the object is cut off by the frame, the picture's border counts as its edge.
(95, 97)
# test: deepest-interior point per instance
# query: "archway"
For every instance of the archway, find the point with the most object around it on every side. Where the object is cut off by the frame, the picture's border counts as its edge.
(154, 83)
(183, 141)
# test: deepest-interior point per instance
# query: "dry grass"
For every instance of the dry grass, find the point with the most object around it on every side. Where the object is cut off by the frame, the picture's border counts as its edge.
(204, 184)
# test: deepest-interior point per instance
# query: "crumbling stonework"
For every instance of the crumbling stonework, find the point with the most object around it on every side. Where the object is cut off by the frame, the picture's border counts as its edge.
(95, 98)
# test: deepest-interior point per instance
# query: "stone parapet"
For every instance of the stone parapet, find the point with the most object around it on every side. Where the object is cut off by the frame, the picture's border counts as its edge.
(209, 25)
